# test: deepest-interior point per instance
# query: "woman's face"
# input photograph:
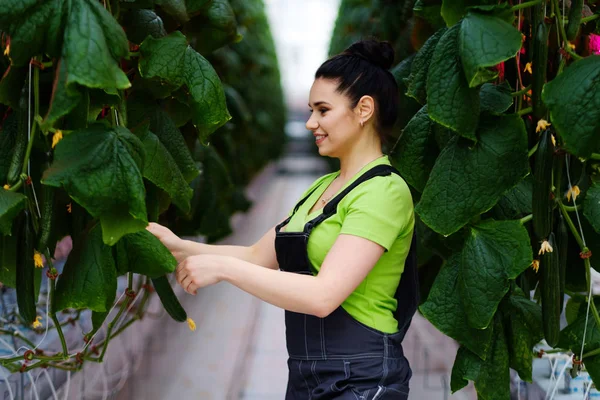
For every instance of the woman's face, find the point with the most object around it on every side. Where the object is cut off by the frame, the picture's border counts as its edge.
(335, 126)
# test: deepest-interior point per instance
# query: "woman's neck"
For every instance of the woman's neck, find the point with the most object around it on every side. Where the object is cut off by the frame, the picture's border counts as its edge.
(353, 162)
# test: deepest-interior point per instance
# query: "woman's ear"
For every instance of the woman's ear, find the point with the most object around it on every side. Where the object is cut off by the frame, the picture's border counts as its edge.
(365, 108)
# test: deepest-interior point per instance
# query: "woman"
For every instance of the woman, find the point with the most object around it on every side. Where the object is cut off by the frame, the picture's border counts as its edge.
(342, 250)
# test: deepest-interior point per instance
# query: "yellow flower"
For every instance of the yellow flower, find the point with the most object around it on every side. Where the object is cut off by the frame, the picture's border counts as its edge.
(573, 191)
(528, 68)
(7, 50)
(572, 46)
(69, 208)
(546, 248)
(553, 140)
(7, 186)
(56, 138)
(191, 324)
(37, 259)
(542, 125)
(535, 264)
(37, 324)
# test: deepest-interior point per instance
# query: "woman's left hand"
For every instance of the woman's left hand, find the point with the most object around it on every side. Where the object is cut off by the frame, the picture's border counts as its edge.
(199, 271)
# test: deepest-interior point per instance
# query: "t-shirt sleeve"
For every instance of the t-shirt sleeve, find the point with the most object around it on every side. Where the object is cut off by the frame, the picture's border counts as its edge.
(379, 210)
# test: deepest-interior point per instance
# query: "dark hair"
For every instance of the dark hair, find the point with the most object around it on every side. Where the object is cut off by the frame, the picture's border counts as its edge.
(363, 69)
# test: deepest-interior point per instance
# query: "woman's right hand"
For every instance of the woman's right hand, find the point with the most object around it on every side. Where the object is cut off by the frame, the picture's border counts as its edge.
(171, 241)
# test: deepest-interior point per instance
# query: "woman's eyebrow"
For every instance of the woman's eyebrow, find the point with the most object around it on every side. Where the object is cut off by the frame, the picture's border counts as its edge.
(318, 103)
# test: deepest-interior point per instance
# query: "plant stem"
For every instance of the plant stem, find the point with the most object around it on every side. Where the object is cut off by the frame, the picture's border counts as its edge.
(563, 35)
(571, 225)
(526, 5)
(588, 266)
(524, 111)
(130, 280)
(110, 327)
(591, 353)
(572, 208)
(36, 101)
(533, 150)
(16, 186)
(554, 351)
(595, 156)
(526, 219)
(51, 295)
(590, 18)
(134, 54)
(18, 335)
(521, 92)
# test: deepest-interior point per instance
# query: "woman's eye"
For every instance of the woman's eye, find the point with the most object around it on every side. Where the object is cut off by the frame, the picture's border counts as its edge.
(323, 111)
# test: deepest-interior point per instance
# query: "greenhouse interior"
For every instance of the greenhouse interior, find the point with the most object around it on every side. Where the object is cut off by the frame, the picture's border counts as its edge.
(285, 199)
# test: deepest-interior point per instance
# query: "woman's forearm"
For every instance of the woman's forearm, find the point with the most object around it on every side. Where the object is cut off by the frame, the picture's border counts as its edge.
(245, 253)
(293, 292)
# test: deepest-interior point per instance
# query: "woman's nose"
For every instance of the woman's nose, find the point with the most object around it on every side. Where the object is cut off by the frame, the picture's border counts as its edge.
(311, 124)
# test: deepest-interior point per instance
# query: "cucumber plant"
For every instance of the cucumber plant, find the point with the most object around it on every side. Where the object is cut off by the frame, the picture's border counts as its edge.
(113, 114)
(498, 139)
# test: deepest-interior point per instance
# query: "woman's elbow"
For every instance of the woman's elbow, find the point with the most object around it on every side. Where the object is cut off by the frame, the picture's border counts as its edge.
(325, 307)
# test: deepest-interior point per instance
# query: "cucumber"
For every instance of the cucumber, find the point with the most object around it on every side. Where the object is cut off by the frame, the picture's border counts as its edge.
(46, 221)
(575, 16)
(168, 299)
(541, 205)
(16, 162)
(562, 242)
(25, 271)
(550, 291)
(540, 64)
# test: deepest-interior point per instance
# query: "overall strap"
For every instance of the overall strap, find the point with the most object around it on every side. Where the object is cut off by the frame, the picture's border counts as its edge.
(288, 219)
(331, 207)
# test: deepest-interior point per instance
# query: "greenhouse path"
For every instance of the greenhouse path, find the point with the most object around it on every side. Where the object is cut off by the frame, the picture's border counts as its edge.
(238, 350)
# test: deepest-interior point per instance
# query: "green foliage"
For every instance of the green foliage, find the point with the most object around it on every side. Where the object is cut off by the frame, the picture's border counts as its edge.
(467, 146)
(141, 110)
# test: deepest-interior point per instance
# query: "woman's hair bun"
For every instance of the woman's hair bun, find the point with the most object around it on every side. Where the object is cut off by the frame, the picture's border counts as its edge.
(372, 50)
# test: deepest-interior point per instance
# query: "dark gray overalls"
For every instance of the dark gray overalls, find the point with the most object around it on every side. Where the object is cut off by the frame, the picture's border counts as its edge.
(338, 357)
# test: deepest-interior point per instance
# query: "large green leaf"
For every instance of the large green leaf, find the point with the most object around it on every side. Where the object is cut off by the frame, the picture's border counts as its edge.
(485, 41)
(525, 325)
(215, 28)
(445, 310)
(416, 150)
(143, 110)
(182, 10)
(173, 60)
(495, 99)
(467, 181)
(453, 10)
(83, 32)
(516, 202)
(573, 99)
(161, 169)
(141, 23)
(82, 35)
(591, 206)
(417, 81)
(65, 97)
(100, 169)
(11, 203)
(89, 278)
(492, 376)
(93, 43)
(142, 253)
(28, 23)
(452, 103)
(495, 253)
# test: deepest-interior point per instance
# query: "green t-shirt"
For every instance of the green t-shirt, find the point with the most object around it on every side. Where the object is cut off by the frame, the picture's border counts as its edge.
(381, 210)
